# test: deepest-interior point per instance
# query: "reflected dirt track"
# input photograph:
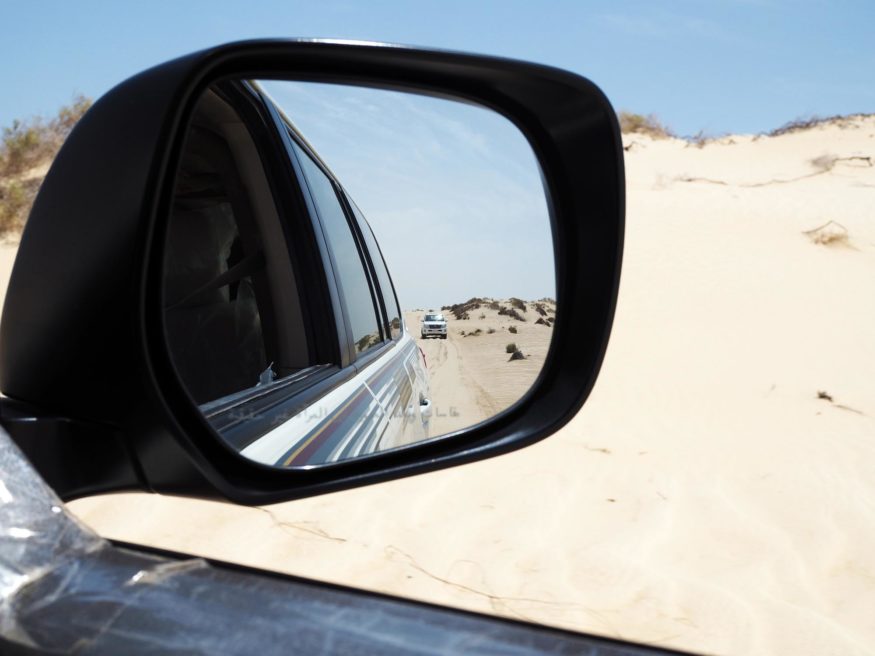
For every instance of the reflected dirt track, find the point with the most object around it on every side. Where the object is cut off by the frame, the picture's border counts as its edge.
(471, 377)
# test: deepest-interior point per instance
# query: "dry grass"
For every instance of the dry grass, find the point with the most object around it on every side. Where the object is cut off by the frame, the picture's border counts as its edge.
(16, 199)
(699, 140)
(810, 122)
(26, 145)
(650, 125)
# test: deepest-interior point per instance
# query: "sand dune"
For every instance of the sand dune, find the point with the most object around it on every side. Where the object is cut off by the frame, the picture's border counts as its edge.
(705, 498)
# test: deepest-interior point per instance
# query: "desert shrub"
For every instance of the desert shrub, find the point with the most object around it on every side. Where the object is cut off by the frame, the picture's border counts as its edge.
(23, 146)
(512, 329)
(493, 305)
(540, 309)
(516, 355)
(475, 333)
(461, 310)
(366, 342)
(699, 140)
(641, 124)
(541, 322)
(510, 348)
(26, 144)
(813, 121)
(518, 304)
(512, 313)
(482, 316)
(69, 115)
(16, 199)
(489, 331)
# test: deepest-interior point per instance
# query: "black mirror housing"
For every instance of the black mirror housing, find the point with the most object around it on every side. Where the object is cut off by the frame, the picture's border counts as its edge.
(82, 348)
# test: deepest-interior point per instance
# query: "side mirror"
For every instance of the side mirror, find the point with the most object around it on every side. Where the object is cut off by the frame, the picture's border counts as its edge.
(149, 342)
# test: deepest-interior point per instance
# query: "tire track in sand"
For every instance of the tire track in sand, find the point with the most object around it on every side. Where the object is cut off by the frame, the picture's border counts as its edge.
(458, 401)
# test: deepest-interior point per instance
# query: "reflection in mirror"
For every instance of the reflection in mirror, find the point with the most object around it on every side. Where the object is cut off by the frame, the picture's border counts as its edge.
(350, 270)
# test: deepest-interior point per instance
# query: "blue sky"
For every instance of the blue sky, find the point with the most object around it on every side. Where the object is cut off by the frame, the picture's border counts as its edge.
(713, 65)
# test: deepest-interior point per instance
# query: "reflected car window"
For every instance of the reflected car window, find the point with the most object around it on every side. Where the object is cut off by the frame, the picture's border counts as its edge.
(353, 281)
(393, 313)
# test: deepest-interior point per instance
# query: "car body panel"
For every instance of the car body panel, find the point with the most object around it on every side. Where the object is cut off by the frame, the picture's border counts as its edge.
(378, 409)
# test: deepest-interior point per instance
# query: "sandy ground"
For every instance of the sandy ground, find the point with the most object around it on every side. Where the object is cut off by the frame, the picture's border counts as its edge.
(705, 498)
(8, 250)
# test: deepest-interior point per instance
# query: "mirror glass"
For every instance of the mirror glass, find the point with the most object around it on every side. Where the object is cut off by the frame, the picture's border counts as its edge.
(349, 270)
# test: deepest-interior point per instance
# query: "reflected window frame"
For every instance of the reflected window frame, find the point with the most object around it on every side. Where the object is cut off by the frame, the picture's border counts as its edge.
(301, 149)
(378, 263)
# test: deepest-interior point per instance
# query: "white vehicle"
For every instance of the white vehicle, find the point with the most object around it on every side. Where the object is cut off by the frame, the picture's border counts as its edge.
(434, 325)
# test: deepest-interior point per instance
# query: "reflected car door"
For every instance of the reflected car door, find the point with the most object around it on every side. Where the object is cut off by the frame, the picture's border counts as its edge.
(384, 403)
(413, 411)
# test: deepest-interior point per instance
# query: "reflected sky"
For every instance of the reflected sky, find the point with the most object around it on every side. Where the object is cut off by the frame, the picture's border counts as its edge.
(452, 190)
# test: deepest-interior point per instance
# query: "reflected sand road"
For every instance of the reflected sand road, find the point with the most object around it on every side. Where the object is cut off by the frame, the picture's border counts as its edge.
(470, 375)
(457, 399)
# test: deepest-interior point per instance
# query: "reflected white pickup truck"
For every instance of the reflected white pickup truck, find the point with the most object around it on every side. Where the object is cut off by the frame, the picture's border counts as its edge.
(434, 325)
